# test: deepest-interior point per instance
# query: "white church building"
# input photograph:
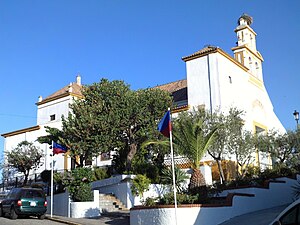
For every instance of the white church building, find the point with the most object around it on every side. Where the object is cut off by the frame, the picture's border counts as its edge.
(49, 113)
(214, 79)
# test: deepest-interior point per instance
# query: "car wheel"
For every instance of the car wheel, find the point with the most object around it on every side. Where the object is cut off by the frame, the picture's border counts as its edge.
(13, 214)
(41, 217)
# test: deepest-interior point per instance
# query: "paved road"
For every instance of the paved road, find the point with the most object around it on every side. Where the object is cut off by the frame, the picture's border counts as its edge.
(27, 221)
(262, 217)
(105, 219)
(112, 219)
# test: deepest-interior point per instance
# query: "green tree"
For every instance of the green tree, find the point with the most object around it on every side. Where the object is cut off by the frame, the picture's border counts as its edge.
(282, 147)
(192, 138)
(218, 148)
(54, 134)
(243, 148)
(110, 117)
(24, 158)
(241, 143)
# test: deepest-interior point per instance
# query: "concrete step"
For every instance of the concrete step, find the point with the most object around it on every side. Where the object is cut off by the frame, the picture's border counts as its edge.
(109, 203)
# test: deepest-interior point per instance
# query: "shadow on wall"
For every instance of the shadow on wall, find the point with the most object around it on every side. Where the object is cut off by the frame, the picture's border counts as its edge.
(92, 212)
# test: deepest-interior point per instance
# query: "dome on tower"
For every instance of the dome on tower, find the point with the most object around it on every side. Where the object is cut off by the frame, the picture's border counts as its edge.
(245, 18)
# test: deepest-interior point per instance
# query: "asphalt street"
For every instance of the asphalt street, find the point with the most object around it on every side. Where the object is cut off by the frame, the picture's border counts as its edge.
(262, 217)
(26, 221)
(105, 219)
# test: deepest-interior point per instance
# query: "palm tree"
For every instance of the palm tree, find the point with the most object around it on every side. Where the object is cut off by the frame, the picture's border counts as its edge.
(180, 177)
(192, 138)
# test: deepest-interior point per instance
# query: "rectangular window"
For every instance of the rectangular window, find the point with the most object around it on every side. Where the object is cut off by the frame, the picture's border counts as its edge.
(52, 117)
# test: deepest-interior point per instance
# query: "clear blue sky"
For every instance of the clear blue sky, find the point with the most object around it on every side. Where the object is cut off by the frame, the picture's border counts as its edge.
(45, 44)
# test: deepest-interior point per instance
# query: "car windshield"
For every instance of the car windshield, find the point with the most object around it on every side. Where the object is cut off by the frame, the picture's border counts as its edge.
(31, 194)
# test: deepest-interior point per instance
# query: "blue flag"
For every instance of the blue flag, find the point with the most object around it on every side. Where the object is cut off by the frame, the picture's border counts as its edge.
(164, 125)
(57, 148)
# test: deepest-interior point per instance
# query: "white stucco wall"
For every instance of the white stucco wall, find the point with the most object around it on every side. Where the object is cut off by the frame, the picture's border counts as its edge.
(62, 206)
(278, 194)
(11, 142)
(197, 82)
(58, 107)
(231, 86)
(86, 209)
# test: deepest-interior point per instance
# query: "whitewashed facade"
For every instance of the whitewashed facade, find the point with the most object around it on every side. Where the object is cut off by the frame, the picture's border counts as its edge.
(218, 81)
(49, 113)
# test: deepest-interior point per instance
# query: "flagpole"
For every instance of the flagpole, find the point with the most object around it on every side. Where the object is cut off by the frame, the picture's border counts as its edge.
(51, 197)
(173, 171)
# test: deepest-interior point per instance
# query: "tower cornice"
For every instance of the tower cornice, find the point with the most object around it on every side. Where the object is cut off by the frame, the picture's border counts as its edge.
(257, 54)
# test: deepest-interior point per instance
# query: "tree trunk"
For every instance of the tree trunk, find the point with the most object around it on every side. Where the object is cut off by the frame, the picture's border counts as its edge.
(25, 177)
(197, 180)
(130, 155)
(222, 176)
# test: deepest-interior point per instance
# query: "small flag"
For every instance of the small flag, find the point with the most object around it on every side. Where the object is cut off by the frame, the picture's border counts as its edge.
(164, 125)
(57, 148)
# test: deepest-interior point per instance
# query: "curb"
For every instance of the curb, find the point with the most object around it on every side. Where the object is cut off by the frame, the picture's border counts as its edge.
(56, 219)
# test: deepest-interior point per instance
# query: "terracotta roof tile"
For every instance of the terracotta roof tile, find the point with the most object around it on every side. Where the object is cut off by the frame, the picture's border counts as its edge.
(178, 89)
(204, 51)
(76, 90)
(173, 86)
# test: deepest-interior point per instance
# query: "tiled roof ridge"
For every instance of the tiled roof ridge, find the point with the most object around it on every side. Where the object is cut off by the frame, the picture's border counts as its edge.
(76, 90)
(172, 82)
(66, 89)
(206, 50)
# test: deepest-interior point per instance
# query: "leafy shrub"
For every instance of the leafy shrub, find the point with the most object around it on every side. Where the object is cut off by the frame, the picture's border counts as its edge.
(277, 171)
(140, 184)
(150, 202)
(150, 171)
(78, 182)
(84, 193)
(182, 198)
(100, 173)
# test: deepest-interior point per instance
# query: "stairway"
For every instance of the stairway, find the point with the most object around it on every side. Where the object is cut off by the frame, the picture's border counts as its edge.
(109, 203)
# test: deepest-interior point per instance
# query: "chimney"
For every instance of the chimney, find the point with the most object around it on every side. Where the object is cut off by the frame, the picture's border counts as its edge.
(78, 79)
(70, 89)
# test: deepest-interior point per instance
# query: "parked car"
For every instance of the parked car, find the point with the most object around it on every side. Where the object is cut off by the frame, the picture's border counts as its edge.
(2, 196)
(24, 201)
(289, 216)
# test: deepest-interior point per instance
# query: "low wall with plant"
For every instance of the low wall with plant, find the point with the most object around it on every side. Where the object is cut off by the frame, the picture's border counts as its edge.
(63, 206)
(86, 209)
(238, 202)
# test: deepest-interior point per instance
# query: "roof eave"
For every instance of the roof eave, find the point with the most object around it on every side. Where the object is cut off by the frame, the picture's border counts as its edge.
(21, 131)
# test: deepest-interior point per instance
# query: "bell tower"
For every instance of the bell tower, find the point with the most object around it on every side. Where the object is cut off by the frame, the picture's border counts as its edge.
(245, 52)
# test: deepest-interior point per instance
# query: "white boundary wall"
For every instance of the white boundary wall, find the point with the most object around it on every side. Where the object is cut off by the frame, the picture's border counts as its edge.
(277, 194)
(62, 206)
